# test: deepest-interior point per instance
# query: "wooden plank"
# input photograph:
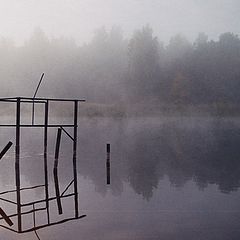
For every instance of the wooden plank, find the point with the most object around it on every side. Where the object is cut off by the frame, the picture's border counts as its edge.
(6, 148)
(75, 158)
(5, 217)
(17, 164)
(55, 171)
(108, 163)
(45, 143)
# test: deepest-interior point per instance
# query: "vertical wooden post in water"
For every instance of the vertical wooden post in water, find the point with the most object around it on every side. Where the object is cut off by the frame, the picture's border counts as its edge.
(17, 165)
(75, 157)
(108, 163)
(55, 170)
(45, 158)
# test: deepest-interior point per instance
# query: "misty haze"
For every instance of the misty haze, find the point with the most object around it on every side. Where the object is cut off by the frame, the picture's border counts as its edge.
(161, 80)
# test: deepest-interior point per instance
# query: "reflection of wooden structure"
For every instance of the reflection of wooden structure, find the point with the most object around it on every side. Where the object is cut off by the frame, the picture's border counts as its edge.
(18, 101)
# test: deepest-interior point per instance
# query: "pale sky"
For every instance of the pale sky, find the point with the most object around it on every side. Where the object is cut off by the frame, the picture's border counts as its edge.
(79, 18)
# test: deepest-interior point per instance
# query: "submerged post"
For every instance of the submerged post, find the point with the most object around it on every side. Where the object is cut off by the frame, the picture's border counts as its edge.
(17, 164)
(55, 170)
(45, 158)
(75, 158)
(108, 163)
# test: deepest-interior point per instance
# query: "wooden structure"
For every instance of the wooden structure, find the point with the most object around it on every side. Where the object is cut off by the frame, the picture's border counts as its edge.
(18, 204)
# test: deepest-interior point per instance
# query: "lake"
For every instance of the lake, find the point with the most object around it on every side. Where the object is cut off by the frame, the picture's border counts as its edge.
(171, 178)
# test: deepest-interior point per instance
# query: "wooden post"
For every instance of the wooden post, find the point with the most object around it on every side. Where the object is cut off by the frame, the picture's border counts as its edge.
(45, 159)
(34, 215)
(55, 170)
(75, 158)
(33, 110)
(108, 163)
(17, 165)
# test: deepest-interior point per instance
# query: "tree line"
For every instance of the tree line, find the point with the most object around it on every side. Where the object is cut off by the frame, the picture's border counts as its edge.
(111, 68)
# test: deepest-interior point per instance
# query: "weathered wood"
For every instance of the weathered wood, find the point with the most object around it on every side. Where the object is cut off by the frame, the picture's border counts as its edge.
(55, 170)
(6, 148)
(108, 163)
(5, 217)
(17, 164)
(34, 95)
(45, 144)
(75, 158)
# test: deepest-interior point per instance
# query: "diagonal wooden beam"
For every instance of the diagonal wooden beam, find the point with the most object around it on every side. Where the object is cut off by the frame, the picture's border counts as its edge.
(5, 217)
(6, 148)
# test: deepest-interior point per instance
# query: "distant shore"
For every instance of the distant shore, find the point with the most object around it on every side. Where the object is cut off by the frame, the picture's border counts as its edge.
(122, 110)
(158, 110)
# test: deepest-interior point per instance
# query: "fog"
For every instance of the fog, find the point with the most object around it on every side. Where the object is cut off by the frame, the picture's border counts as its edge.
(129, 73)
(161, 80)
(170, 52)
(78, 19)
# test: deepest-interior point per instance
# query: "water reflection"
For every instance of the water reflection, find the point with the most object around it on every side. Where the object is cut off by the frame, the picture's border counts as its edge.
(143, 152)
(206, 152)
(164, 161)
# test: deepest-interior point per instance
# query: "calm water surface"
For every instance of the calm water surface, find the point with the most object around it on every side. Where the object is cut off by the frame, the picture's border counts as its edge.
(171, 178)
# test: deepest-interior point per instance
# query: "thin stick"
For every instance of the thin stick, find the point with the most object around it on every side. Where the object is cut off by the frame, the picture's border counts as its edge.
(67, 133)
(67, 187)
(39, 83)
(37, 235)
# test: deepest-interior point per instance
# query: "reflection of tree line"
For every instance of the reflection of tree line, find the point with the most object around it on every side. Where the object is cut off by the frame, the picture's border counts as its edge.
(205, 157)
(143, 155)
